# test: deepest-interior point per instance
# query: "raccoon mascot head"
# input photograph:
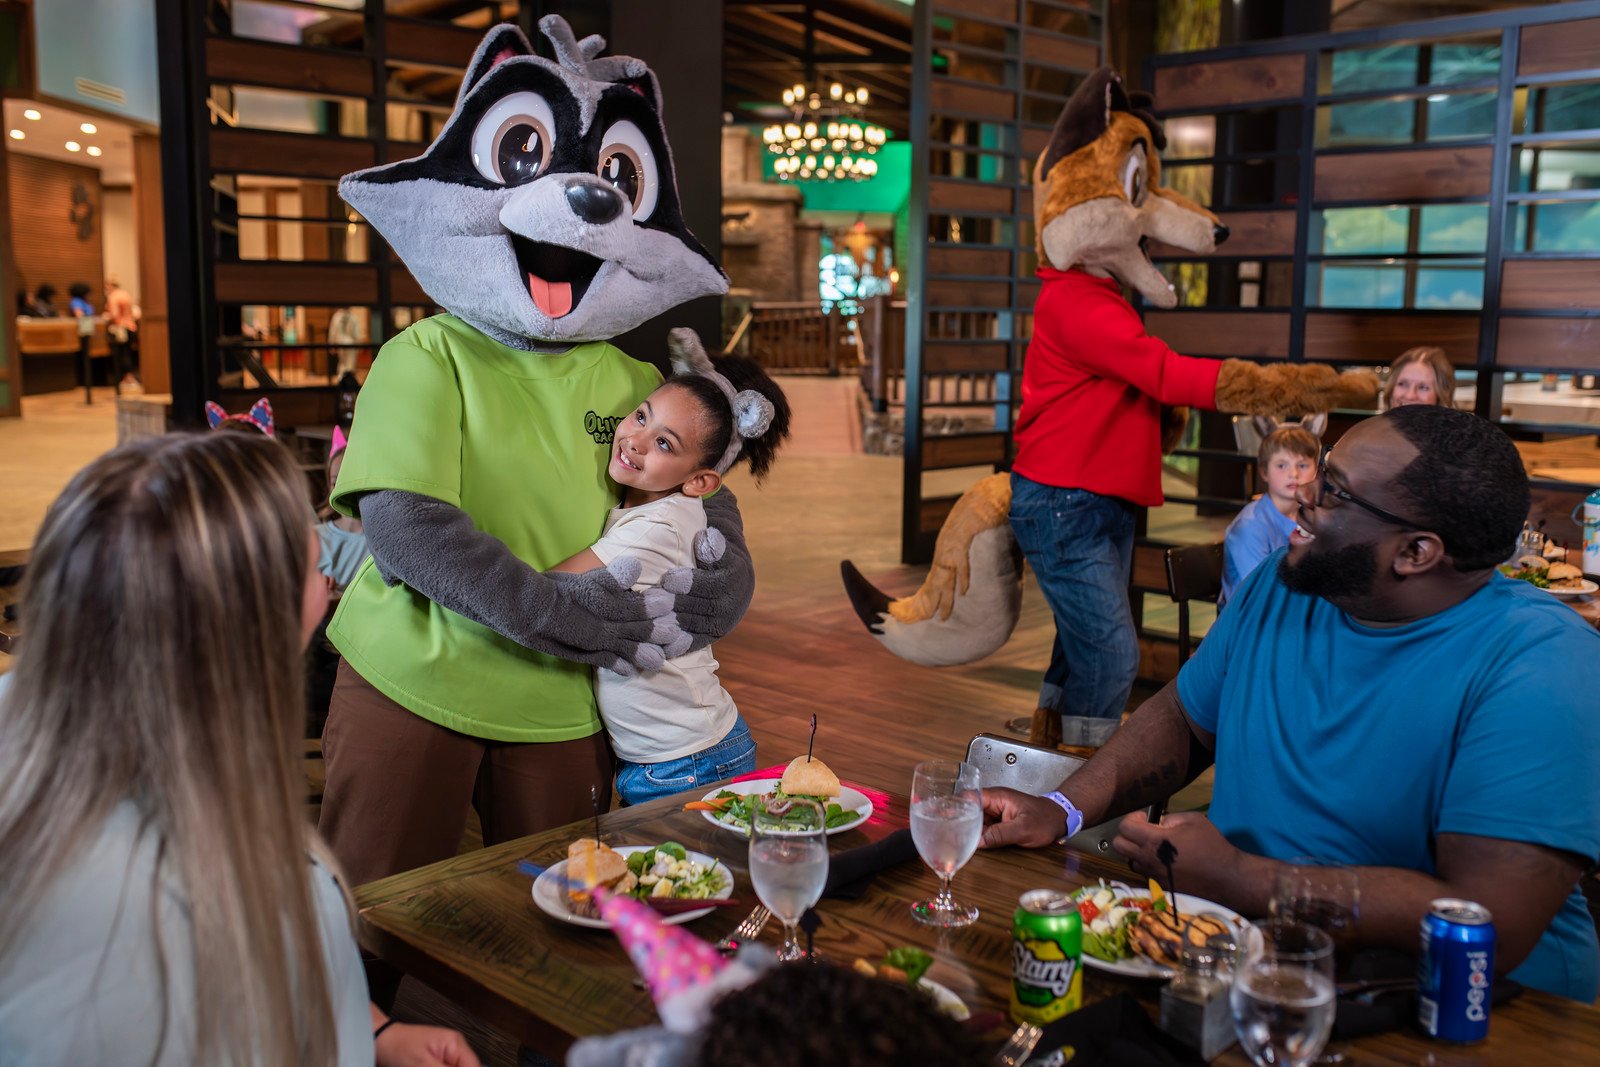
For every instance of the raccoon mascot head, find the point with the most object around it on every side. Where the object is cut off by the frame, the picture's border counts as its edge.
(546, 212)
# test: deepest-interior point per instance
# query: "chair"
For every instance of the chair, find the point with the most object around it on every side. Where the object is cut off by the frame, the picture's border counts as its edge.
(1194, 572)
(1014, 764)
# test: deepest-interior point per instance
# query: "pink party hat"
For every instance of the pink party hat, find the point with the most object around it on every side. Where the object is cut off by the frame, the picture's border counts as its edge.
(684, 973)
(340, 441)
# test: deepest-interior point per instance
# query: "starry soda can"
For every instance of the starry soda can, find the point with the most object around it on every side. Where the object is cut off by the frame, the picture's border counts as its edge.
(1046, 957)
(1456, 972)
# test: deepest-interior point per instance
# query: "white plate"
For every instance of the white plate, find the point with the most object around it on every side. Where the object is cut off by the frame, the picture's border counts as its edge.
(1586, 587)
(848, 799)
(1137, 966)
(948, 1003)
(550, 892)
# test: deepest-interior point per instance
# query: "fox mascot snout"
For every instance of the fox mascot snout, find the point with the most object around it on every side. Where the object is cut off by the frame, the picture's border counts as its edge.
(1098, 203)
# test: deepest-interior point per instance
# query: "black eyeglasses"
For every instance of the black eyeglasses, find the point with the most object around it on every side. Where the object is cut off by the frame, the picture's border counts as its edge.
(1326, 488)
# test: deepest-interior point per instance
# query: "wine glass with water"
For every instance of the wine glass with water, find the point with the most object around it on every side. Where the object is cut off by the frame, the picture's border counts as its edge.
(1283, 993)
(788, 861)
(946, 822)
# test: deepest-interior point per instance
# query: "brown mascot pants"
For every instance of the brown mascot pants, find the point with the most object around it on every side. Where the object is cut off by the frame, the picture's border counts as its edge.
(398, 787)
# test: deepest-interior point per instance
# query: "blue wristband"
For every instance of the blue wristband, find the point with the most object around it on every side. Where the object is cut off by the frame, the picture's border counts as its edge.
(1074, 816)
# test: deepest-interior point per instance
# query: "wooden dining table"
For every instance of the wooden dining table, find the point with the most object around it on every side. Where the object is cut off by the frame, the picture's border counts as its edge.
(468, 927)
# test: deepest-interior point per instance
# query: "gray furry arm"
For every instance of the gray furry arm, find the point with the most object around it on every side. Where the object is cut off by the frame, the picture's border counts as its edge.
(435, 549)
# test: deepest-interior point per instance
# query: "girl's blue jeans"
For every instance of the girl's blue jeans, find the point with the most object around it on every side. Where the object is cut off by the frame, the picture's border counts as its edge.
(735, 754)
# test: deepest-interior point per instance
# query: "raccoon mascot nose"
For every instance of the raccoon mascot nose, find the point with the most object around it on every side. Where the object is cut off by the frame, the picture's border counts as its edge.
(1219, 232)
(594, 203)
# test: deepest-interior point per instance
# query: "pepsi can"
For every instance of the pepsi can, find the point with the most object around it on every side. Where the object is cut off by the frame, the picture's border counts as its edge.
(1456, 973)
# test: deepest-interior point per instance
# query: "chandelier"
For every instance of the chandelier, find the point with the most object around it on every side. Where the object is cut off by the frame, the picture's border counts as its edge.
(826, 138)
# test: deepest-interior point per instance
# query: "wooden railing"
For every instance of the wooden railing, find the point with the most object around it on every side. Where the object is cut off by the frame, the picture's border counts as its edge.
(795, 338)
(882, 330)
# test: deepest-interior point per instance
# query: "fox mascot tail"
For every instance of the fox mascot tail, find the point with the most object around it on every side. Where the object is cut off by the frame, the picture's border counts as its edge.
(1098, 203)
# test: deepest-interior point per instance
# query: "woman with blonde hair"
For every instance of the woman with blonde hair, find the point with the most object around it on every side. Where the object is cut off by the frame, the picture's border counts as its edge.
(1421, 375)
(165, 899)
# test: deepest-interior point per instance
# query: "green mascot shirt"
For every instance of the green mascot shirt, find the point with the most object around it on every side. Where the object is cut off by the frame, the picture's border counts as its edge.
(520, 442)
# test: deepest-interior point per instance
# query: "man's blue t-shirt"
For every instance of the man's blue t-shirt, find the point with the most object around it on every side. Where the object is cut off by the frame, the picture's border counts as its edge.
(1258, 531)
(1362, 745)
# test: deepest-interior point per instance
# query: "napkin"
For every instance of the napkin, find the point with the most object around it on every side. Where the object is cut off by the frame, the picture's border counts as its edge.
(1380, 1010)
(1116, 1032)
(850, 873)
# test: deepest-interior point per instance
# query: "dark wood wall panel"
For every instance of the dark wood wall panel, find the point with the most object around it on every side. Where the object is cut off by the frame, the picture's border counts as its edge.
(1262, 334)
(1554, 284)
(1547, 343)
(45, 242)
(954, 196)
(1035, 139)
(966, 99)
(1250, 233)
(978, 259)
(294, 155)
(1234, 81)
(1059, 51)
(963, 450)
(431, 43)
(1559, 46)
(999, 10)
(296, 283)
(1366, 337)
(234, 60)
(942, 293)
(405, 289)
(944, 359)
(1419, 174)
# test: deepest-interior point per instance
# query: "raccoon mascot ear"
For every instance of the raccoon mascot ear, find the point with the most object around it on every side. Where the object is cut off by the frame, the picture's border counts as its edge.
(503, 42)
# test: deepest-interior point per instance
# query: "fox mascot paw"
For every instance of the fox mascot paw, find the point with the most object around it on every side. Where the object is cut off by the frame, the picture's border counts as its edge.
(1098, 203)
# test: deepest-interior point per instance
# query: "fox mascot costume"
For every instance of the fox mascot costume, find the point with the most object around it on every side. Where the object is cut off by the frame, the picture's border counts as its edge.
(1098, 403)
(544, 220)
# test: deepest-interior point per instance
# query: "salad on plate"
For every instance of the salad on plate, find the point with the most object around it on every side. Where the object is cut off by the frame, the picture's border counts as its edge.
(1120, 923)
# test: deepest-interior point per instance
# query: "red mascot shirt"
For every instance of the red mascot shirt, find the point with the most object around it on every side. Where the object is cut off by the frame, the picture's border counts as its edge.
(1092, 388)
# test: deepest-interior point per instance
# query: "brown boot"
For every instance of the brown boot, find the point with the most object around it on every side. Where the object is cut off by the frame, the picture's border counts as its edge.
(1046, 729)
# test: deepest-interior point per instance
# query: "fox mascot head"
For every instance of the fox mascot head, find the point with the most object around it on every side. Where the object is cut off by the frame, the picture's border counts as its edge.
(1098, 200)
(546, 212)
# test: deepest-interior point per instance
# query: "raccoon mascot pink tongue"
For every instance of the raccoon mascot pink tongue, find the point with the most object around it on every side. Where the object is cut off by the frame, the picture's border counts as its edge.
(544, 220)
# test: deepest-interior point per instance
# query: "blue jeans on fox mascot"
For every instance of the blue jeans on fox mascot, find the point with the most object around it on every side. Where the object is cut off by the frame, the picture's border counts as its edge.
(1080, 546)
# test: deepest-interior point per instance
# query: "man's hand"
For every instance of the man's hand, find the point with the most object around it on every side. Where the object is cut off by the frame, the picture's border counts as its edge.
(1015, 818)
(711, 598)
(1207, 865)
(407, 1045)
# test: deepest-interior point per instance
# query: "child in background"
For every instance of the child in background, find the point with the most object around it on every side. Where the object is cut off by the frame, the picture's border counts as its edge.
(677, 728)
(1287, 460)
(344, 545)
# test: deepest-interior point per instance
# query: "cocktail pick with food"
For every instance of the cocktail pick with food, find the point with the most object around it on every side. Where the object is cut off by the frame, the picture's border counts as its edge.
(813, 738)
(810, 922)
(594, 802)
(684, 974)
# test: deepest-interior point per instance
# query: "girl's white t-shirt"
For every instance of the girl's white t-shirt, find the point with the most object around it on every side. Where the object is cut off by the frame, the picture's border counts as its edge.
(682, 708)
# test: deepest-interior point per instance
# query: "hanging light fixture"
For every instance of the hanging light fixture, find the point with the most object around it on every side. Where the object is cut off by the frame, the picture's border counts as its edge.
(826, 137)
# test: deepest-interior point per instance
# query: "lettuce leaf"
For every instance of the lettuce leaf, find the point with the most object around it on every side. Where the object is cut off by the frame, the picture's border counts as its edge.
(913, 961)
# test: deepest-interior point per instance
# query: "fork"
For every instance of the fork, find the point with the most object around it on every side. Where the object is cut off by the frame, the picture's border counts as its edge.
(745, 931)
(1019, 1046)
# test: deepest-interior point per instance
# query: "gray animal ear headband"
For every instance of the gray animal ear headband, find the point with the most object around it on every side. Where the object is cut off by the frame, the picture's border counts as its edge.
(752, 412)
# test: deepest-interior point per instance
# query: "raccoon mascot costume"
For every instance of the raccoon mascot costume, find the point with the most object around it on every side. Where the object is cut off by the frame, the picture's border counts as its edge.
(1098, 395)
(544, 220)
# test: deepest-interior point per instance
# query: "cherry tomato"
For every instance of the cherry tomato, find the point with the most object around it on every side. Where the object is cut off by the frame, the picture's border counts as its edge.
(1087, 911)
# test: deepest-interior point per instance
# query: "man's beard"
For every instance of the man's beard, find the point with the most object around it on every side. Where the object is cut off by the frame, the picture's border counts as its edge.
(1334, 574)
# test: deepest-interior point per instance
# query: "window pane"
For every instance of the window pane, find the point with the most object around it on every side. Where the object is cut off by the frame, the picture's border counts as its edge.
(1444, 286)
(1562, 107)
(1558, 169)
(1461, 115)
(1358, 230)
(1367, 122)
(1454, 228)
(1362, 286)
(1464, 62)
(1559, 227)
(1389, 67)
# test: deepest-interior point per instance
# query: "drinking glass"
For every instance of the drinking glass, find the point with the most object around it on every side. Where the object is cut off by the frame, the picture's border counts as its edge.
(946, 822)
(1282, 995)
(1327, 896)
(788, 861)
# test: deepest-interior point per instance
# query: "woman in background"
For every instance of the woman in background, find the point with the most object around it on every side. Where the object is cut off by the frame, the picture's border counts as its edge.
(166, 901)
(1420, 375)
